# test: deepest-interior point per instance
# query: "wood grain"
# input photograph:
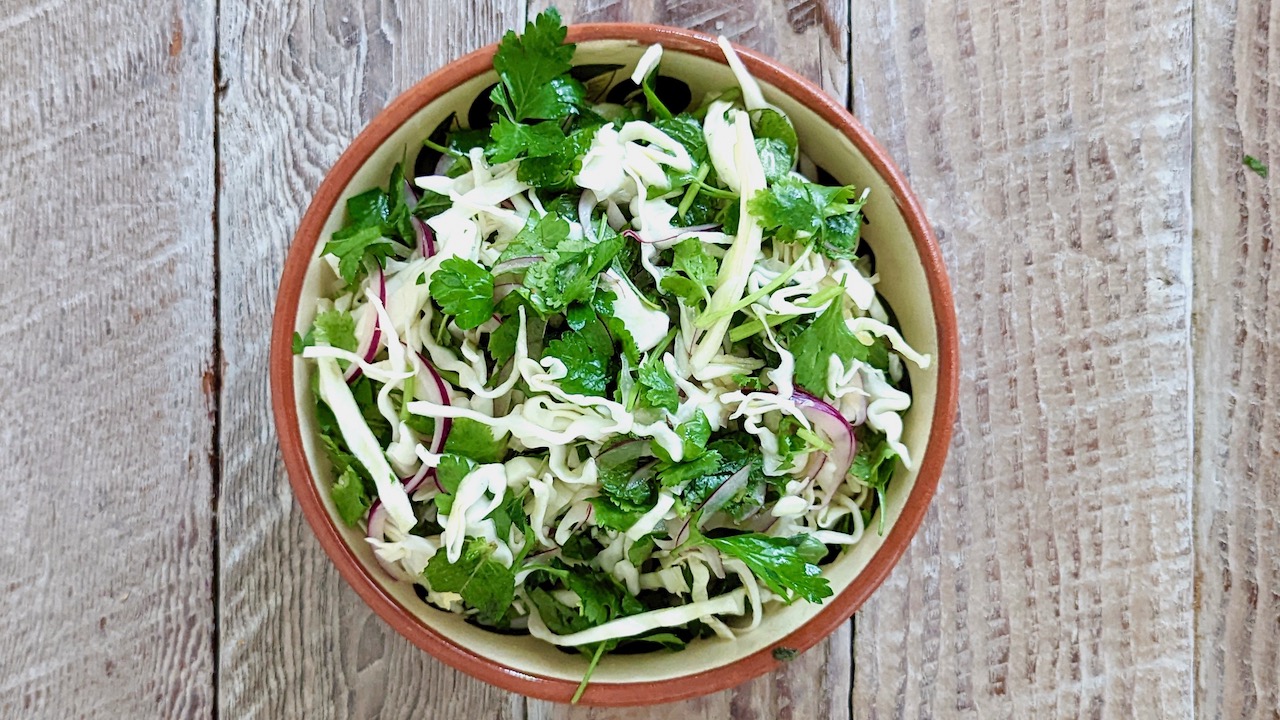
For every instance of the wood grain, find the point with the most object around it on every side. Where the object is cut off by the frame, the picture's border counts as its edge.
(301, 79)
(812, 38)
(1237, 361)
(106, 255)
(1050, 143)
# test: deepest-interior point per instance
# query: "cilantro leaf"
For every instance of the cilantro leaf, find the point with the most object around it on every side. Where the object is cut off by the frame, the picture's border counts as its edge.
(484, 583)
(555, 170)
(349, 496)
(539, 236)
(776, 562)
(801, 211)
(814, 346)
(369, 208)
(775, 158)
(587, 363)
(569, 272)
(684, 288)
(694, 433)
(533, 68)
(465, 290)
(351, 245)
(769, 124)
(691, 258)
(337, 328)
(502, 341)
(658, 387)
(473, 439)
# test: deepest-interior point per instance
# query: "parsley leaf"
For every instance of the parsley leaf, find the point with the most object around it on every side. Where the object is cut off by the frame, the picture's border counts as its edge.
(465, 290)
(484, 583)
(587, 363)
(776, 562)
(569, 272)
(511, 140)
(814, 346)
(473, 439)
(533, 68)
(555, 170)
(658, 387)
(350, 497)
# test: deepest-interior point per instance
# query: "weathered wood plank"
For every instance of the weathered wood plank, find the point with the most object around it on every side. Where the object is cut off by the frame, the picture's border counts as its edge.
(1051, 147)
(301, 80)
(106, 254)
(1237, 360)
(811, 37)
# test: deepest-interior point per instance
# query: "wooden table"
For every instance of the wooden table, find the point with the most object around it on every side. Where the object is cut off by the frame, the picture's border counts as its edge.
(1105, 542)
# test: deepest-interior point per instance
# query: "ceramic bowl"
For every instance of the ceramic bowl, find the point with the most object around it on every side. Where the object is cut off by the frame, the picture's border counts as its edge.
(913, 281)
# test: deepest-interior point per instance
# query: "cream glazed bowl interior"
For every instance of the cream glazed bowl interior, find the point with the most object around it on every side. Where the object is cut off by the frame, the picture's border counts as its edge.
(913, 282)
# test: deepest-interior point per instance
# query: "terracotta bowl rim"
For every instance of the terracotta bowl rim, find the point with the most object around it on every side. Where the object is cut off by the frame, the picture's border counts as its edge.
(836, 610)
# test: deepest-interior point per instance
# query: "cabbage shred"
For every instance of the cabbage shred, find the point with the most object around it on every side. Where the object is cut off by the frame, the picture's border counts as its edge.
(623, 301)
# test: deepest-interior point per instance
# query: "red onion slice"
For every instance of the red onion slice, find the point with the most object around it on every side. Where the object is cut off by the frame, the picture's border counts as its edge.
(423, 233)
(368, 352)
(513, 264)
(828, 421)
(436, 390)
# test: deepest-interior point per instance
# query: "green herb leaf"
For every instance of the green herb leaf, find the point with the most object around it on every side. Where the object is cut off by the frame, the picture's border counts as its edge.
(465, 290)
(533, 68)
(587, 363)
(484, 583)
(674, 474)
(473, 439)
(353, 244)
(657, 386)
(350, 497)
(777, 563)
(449, 473)
(609, 515)
(569, 272)
(801, 211)
(827, 336)
(691, 258)
(1255, 165)
(337, 328)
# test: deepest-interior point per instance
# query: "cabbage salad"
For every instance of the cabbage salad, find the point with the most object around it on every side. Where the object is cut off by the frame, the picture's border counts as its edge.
(609, 372)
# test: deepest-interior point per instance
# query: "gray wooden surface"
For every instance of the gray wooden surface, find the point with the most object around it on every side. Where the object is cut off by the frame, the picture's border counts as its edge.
(1104, 542)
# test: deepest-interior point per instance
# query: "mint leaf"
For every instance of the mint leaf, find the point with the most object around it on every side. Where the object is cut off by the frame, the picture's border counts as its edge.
(473, 439)
(777, 563)
(587, 363)
(769, 124)
(674, 474)
(873, 464)
(533, 69)
(657, 385)
(337, 328)
(465, 290)
(775, 158)
(484, 583)
(352, 244)
(449, 473)
(350, 497)
(694, 433)
(655, 104)
(369, 208)
(814, 346)
(609, 515)
(627, 489)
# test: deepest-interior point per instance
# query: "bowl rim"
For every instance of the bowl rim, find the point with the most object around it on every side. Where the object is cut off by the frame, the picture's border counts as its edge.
(836, 609)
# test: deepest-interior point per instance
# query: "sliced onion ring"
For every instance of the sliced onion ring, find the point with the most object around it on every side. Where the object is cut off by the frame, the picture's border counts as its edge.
(369, 351)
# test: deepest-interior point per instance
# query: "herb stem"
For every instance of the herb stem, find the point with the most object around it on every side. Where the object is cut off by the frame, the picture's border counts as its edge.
(706, 320)
(691, 192)
(595, 660)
